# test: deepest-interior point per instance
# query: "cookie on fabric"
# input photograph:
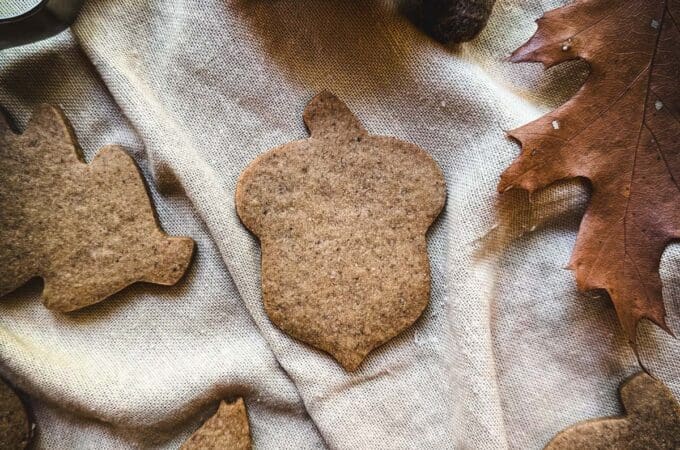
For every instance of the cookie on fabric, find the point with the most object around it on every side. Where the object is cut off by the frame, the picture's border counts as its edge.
(88, 230)
(16, 429)
(652, 422)
(342, 217)
(227, 429)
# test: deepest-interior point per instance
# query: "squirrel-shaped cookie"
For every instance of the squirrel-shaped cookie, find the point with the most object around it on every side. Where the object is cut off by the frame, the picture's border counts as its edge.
(88, 230)
(342, 218)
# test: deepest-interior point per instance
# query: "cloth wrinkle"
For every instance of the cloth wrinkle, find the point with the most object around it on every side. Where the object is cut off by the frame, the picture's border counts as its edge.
(506, 355)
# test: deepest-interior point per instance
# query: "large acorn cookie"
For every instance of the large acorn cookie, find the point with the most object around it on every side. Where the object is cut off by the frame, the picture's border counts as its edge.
(342, 217)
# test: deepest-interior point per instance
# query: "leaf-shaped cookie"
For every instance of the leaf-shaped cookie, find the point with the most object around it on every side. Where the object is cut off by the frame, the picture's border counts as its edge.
(227, 429)
(342, 218)
(652, 422)
(88, 230)
(621, 132)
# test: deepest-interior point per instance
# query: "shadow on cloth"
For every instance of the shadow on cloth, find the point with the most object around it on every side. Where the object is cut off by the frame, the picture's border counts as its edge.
(364, 47)
(61, 72)
(31, 291)
(524, 226)
(50, 74)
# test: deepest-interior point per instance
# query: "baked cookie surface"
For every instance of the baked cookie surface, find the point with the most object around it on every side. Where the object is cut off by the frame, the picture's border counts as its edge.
(227, 429)
(652, 421)
(342, 217)
(88, 230)
(16, 426)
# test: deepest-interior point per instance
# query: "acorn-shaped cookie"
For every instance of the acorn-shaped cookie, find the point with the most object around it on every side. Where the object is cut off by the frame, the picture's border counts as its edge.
(341, 217)
(651, 422)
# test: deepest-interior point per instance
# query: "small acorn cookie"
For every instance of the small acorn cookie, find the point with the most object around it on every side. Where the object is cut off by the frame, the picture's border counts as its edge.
(342, 217)
(652, 422)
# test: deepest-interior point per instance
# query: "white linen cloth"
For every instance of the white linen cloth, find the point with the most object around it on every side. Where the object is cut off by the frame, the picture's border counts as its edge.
(507, 354)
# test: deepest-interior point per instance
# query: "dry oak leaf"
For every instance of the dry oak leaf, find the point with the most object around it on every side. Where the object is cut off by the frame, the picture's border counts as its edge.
(227, 429)
(621, 132)
(342, 218)
(88, 230)
(652, 422)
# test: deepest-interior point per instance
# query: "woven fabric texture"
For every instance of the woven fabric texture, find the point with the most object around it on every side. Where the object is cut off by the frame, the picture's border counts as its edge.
(507, 354)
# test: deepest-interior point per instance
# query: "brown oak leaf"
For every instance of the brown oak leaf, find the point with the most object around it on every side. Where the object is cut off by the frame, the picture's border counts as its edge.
(621, 132)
